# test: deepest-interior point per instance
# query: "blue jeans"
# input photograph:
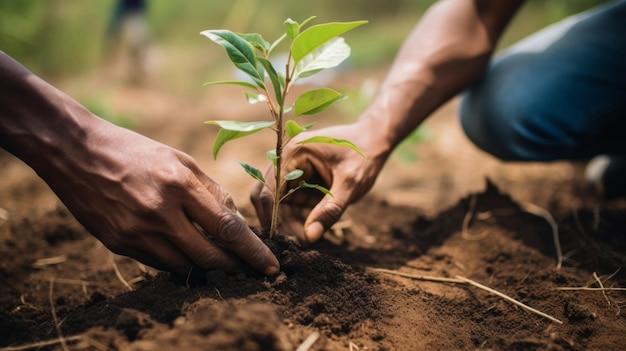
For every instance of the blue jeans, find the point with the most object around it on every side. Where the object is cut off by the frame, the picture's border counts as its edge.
(558, 94)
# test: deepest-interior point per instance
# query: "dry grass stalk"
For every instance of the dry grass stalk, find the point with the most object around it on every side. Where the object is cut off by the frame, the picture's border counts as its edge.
(508, 298)
(540, 212)
(418, 277)
(54, 316)
(40, 344)
(609, 301)
(462, 280)
(49, 261)
(466, 222)
(587, 288)
(119, 274)
(353, 346)
(74, 282)
(309, 341)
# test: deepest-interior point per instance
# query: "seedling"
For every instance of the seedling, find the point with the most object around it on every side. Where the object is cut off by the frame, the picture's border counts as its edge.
(312, 50)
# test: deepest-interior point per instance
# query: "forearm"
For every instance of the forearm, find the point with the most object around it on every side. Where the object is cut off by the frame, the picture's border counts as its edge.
(38, 123)
(448, 50)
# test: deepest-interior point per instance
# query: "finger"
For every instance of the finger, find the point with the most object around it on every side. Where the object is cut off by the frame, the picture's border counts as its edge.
(203, 252)
(262, 200)
(232, 232)
(326, 213)
(183, 273)
(181, 252)
(219, 192)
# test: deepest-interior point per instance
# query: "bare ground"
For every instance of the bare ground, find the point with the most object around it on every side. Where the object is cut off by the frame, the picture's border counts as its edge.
(453, 212)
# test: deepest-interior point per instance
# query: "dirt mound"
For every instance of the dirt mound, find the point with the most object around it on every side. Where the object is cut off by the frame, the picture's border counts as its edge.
(333, 289)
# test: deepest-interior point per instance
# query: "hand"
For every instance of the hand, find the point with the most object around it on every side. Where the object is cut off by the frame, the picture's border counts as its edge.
(142, 199)
(139, 197)
(308, 213)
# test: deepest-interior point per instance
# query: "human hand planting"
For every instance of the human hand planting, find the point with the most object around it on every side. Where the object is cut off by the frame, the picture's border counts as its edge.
(307, 214)
(139, 197)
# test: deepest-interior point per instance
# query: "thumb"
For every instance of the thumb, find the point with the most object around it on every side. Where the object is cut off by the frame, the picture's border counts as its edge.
(326, 213)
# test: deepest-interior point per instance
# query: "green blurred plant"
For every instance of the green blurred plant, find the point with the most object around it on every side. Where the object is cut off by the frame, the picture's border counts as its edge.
(312, 50)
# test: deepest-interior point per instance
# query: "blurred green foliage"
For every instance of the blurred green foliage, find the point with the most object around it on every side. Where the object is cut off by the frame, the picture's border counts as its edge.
(60, 37)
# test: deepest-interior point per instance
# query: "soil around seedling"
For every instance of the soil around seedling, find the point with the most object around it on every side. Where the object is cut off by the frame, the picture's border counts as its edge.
(56, 279)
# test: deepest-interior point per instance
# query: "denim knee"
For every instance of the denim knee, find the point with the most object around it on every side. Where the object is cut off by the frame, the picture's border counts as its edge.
(506, 115)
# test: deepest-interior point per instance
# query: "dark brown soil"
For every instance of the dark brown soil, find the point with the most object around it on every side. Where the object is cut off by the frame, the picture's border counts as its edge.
(413, 222)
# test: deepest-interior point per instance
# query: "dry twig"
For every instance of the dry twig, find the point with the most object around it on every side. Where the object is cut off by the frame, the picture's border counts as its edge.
(54, 316)
(462, 280)
(418, 277)
(466, 222)
(538, 211)
(40, 344)
(309, 341)
(119, 274)
(508, 298)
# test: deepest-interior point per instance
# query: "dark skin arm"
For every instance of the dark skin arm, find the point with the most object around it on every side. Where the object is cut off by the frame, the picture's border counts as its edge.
(447, 51)
(139, 197)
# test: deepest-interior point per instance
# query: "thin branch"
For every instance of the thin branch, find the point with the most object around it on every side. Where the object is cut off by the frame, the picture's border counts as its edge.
(466, 222)
(54, 316)
(606, 297)
(418, 277)
(309, 341)
(510, 299)
(462, 280)
(538, 211)
(73, 281)
(586, 288)
(40, 344)
(119, 274)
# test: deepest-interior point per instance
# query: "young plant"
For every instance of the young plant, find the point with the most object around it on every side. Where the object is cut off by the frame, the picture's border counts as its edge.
(311, 50)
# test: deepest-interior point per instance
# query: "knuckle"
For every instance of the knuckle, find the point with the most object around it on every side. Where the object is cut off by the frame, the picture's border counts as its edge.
(230, 229)
(209, 259)
(332, 211)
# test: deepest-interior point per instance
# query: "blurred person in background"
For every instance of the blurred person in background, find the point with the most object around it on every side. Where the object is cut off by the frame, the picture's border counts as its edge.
(560, 94)
(128, 37)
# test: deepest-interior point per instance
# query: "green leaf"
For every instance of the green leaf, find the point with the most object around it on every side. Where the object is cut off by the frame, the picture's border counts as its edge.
(256, 40)
(242, 126)
(333, 141)
(253, 172)
(240, 52)
(293, 175)
(316, 100)
(328, 55)
(271, 155)
(315, 36)
(255, 98)
(292, 28)
(245, 84)
(231, 130)
(293, 128)
(304, 184)
(278, 82)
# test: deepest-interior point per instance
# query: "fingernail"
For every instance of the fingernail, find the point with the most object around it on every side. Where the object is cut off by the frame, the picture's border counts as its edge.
(314, 231)
(272, 270)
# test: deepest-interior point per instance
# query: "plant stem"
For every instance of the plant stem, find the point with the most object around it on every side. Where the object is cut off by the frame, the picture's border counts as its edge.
(277, 170)
(280, 131)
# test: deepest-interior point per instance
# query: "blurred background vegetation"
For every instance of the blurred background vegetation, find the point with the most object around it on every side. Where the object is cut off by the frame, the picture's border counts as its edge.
(59, 37)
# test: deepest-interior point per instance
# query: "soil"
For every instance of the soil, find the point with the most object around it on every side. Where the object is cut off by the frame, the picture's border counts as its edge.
(455, 211)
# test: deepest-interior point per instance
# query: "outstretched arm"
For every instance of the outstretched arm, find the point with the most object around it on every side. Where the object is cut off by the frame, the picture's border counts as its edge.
(139, 197)
(448, 50)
